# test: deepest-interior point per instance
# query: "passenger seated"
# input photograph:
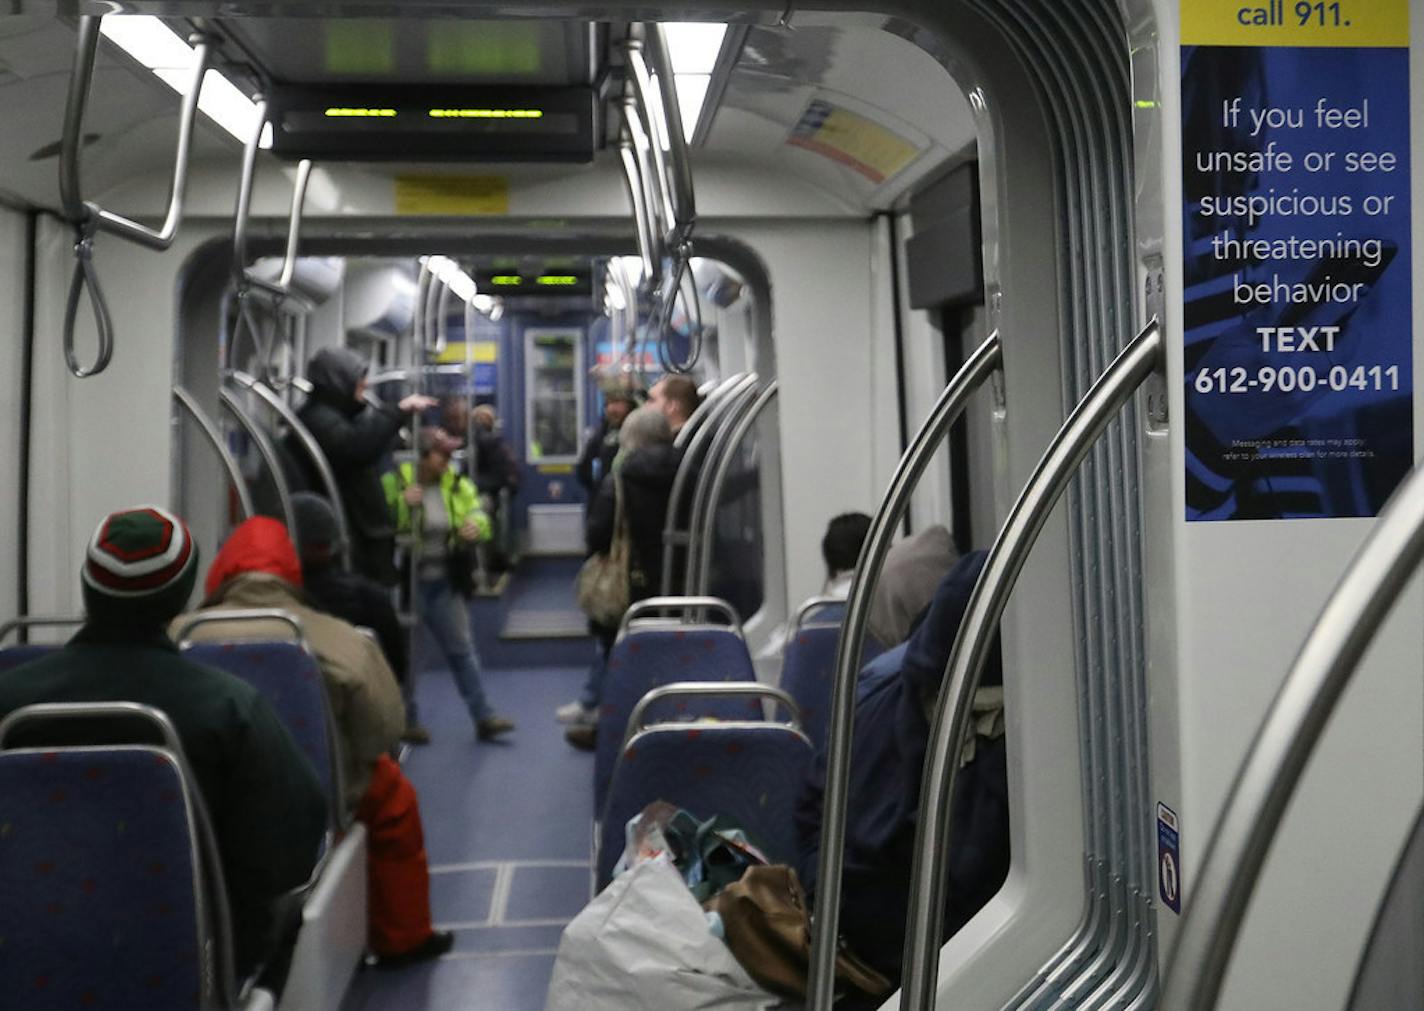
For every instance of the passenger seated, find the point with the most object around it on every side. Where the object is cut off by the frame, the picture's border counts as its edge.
(895, 696)
(840, 550)
(263, 797)
(258, 568)
(352, 597)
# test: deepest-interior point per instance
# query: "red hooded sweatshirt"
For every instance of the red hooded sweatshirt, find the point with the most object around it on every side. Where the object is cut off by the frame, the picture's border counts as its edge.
(260, 544)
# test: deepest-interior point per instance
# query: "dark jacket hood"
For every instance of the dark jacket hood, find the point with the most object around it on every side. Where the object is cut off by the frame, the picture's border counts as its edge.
(334, 373)
(651, 465)
(932, 641)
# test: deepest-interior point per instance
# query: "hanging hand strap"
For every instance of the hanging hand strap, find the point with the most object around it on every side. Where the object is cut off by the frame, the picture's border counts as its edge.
(85, 276)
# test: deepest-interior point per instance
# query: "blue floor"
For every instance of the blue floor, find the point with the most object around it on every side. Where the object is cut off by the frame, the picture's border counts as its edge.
(506, 832)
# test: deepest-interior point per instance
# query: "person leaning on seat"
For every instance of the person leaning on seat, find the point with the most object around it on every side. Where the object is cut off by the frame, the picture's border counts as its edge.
(263, 797)
(258, 568)
(352, 597)
(443, 510)
(355, 437)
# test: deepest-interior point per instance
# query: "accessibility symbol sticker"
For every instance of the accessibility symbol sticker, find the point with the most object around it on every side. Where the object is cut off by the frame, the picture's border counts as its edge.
(1169, 859)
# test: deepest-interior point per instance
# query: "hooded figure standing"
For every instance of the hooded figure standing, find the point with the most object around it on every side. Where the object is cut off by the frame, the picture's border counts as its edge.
(258, 568)
(355, 436)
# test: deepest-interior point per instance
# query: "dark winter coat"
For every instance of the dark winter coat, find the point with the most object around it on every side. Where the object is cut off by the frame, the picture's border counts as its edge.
(354, 436)
(266, 803)
(888, 744)
(647, 475)
(495, 465)
(357, 600)
(600, 449)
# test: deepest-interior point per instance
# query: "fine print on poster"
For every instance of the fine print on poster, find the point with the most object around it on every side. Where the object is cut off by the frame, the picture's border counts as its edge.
(1296, 186)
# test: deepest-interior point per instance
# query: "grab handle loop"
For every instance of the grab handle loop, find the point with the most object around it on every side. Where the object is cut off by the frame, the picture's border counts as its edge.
(85, 276)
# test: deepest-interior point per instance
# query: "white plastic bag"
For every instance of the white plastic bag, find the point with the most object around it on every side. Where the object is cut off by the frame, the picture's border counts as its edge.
(643, 945)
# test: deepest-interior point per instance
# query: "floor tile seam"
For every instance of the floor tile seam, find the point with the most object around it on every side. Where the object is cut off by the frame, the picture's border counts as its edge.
(466, 956)
(495, 865)
(552, 921)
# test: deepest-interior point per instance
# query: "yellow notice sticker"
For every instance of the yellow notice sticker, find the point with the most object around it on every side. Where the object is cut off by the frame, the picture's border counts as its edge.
(556, 468)
(452, 195)
(1358, 23)
(849, 138)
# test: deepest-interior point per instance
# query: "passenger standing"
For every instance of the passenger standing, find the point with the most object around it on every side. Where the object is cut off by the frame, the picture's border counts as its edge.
(601, 446)
(442, 510)
(355, 437)
(643, 474)
(262, 795)
(496, 471)
(258, 568)
(677, 398)
(352, 597)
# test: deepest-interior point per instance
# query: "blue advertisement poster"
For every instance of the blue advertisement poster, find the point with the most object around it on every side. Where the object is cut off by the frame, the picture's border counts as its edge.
(1298, 320)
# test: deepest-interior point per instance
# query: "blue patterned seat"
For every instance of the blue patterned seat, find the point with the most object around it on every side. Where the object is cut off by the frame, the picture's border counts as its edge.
(806, 674)
(647, 658)
(289, 678)
(12, 656)
(749, 773)
(100, 883)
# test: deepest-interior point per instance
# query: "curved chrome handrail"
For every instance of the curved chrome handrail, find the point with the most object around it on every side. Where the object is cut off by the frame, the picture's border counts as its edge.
(717, 689)
(89, 218)
(215, 439)
(1006, 559)
(721, 469)
(809, 608)
(648, 123)
(313, 450)
(1368, 592)
(716, 405)
(39, 621)
(692, 424)
(655, 198)
(223, 616)
(738, 402)
(977, 368)
(695, 605)
(268, 452)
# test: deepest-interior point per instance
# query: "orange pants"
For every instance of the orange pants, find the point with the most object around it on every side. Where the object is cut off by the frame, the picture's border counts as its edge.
(398, 879)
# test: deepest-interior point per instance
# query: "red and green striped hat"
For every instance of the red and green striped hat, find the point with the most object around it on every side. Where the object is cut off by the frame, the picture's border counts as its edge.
(142, 562)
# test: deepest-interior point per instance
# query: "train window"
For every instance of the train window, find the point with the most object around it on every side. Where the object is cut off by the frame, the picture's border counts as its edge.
(553, 374)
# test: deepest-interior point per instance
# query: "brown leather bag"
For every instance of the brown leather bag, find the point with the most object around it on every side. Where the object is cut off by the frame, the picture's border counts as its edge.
(768, 928)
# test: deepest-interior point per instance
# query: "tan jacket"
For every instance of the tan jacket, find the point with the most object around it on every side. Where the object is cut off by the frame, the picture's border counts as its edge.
(365, 699)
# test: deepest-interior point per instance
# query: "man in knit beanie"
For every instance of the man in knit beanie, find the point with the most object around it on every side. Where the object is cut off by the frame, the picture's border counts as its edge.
(265, 801)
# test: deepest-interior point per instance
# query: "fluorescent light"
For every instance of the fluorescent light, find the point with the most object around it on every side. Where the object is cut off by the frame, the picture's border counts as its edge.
(691, 92)
(448, 272)
(153, 44)
(693, 45)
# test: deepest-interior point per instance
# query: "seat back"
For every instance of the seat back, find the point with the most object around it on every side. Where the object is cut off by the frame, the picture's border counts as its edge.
(649, 657)
(289, 678)
(807, 674)
(12, 656)
(112, 892)
(749, 772)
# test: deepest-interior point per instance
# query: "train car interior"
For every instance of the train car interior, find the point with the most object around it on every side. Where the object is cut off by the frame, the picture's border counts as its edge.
(856, 504)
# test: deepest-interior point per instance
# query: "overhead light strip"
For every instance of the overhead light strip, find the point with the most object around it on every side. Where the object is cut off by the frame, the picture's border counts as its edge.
(163, 52)
(693, 48)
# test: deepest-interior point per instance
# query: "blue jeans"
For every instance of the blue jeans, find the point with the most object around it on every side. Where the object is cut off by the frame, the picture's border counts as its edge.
(445, 614)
